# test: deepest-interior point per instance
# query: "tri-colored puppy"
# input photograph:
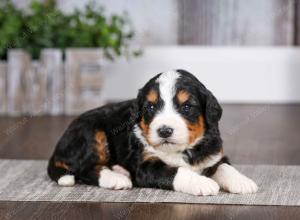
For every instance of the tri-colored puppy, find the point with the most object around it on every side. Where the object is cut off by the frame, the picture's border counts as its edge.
(168, 138)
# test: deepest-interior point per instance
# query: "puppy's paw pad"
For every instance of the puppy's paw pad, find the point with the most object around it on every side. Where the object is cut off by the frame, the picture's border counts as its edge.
(188, 181)
(66, 180)
(113, 180)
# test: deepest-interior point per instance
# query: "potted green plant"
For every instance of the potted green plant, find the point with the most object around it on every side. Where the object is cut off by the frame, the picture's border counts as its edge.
(45, 26)
(44, 32)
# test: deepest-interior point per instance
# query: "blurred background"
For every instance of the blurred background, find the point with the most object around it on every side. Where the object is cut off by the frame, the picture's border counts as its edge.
(60, 58)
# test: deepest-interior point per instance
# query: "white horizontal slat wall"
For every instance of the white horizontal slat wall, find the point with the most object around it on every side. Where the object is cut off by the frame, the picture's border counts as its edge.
(234, 74)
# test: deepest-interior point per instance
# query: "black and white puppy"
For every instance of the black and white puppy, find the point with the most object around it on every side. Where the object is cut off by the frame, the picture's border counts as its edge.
(168, 138)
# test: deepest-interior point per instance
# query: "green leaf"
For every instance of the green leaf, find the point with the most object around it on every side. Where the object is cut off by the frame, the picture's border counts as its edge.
(46, 26)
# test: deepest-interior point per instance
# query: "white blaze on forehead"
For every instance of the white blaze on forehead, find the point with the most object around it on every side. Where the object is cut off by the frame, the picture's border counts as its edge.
(167, 81)
(168, 115)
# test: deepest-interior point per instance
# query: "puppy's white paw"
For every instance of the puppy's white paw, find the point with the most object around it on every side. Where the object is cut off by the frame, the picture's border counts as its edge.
(233, 181)
(66, 180)
(188, 181)
(121, 170)
(113, 180)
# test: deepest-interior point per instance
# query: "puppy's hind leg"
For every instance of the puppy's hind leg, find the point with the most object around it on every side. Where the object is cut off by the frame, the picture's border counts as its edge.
(102, 176)
(108, 178)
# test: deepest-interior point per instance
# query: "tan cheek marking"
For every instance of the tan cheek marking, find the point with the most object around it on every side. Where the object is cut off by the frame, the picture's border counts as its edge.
(183, 96)
(145, 128)
(102, 150)
(62, 165)
(152, 96)
(196, 130)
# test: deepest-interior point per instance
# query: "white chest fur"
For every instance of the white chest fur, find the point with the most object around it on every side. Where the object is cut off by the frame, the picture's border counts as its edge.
(176, 159)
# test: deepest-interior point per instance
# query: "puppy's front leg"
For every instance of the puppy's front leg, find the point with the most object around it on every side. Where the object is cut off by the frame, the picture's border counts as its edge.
(156, 174)
(233, 181)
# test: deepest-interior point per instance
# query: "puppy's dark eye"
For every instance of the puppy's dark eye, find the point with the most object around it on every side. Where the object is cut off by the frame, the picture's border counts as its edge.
(151, 108)
(186, 108)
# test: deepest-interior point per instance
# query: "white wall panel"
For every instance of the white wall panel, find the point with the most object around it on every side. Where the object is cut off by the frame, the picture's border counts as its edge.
(234, 75)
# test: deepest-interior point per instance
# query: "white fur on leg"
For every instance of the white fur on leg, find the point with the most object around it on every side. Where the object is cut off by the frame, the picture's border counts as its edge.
(188, 181)
(121, 170)
(233, 181)
(66, 180)
(112, 180)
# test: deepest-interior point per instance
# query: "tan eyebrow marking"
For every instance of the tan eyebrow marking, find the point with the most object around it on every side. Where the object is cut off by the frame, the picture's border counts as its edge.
(183, 96)
(152, 96)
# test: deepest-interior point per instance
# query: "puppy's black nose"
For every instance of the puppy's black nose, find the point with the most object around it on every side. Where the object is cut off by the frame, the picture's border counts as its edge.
(165, 131)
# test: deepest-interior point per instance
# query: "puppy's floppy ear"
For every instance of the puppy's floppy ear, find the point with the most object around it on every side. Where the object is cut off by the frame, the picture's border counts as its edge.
(140, 97)
(139, 103)
(212, 108)
(135, 110)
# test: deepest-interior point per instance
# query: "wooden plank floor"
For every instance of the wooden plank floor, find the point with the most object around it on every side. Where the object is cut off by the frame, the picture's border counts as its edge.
(253, 134)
